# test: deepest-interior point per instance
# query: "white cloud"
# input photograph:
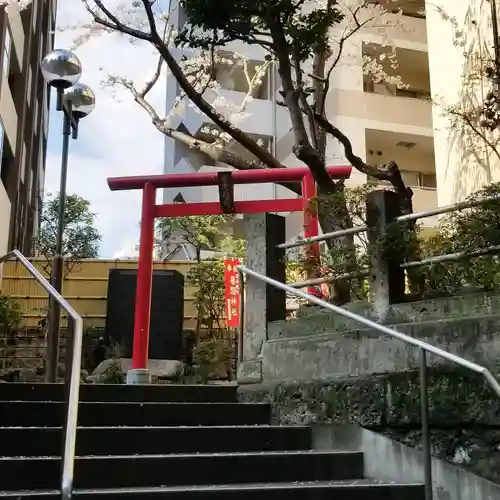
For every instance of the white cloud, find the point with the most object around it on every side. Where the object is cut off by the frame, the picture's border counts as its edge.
(117, 139)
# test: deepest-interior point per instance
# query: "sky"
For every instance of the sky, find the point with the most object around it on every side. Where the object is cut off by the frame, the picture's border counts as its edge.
(116, 139)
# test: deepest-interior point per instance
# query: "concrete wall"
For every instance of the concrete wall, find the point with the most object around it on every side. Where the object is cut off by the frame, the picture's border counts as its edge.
(392, 461)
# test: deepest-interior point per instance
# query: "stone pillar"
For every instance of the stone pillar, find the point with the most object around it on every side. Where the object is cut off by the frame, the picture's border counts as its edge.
(387, 276)
(263, 302)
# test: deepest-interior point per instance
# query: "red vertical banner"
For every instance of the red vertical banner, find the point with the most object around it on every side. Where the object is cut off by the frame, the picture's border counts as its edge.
(232, 292)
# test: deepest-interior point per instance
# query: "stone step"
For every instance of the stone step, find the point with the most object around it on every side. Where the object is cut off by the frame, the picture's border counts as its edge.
(51, 414)
(182, 470)
(326, 353)
(328, 490)
(130, 393)
(47, 441)
(314, 320)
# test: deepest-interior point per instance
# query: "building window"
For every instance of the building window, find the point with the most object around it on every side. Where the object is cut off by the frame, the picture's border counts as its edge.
(429, 181)
(7, 48)
(414, 179)
(411, 178)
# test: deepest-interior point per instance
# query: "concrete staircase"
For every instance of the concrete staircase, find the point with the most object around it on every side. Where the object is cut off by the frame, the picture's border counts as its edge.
(319, 344)
(174, 441)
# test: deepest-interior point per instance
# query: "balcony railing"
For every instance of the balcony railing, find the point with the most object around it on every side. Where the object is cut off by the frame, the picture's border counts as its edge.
(372, 87)
(411, 28)
(421, 180)
(423, 185)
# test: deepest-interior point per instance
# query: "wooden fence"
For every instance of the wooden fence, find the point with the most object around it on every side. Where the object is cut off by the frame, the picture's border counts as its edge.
(85, 287)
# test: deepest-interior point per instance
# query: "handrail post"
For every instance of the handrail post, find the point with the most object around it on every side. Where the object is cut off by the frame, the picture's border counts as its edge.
(426, 436)
(387, 276)
(263, 303)
(72, 389)
(241, 326)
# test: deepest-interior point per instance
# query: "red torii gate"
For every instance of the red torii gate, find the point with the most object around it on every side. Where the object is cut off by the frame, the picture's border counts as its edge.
(225, 180)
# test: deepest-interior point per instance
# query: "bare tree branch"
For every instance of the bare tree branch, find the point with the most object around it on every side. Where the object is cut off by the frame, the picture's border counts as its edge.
(213, 151)
(221, 121)
(475, 128)
(114, 23)
(302, 147)
(390, 173)
(210, 150)
(357, 26)
(154, 79)
(148, 7)
(303, 101)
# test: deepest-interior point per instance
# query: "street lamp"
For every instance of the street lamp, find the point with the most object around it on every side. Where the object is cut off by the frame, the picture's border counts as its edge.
(62, 70)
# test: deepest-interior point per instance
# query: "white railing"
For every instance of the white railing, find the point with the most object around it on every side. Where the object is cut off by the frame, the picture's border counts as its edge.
(72, 379)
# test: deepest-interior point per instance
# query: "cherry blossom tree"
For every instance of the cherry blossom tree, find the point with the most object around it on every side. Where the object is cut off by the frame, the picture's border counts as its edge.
(315, 34)
(305, 41)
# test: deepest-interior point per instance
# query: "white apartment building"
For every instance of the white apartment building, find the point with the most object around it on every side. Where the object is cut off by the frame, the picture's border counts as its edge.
(383, 123)
(25, 37)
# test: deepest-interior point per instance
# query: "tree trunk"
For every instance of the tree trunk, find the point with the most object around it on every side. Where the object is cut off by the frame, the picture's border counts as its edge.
(335, 220)
(415, 278)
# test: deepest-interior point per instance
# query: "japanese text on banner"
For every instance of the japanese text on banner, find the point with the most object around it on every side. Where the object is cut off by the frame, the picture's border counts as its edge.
(232, 292)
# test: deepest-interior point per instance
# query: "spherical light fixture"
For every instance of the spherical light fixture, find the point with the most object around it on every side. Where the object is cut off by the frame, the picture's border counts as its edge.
(61, 69)
(82, 100)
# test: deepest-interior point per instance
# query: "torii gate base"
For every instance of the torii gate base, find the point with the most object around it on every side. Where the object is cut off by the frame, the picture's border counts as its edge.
(225, 180)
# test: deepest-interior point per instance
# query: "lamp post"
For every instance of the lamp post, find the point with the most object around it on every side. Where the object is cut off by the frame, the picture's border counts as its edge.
(62, 70)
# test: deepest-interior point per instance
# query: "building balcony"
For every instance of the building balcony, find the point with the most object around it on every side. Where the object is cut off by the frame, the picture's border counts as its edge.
(408, 103)
(255, 119)
(395, 109)
(414, 155)
(18, 38)
(404, 28)
(8, 113)
(386, 109)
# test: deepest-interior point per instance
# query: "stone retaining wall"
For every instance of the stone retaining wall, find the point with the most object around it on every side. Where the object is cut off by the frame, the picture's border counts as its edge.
(464, 411)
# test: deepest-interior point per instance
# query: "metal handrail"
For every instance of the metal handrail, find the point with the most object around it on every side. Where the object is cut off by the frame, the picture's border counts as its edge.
(452, 257)
(323, 237)
(447, 209)
(330, 279)
(424, 349)
(381, 328)
(69, 429)
(402, 218)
